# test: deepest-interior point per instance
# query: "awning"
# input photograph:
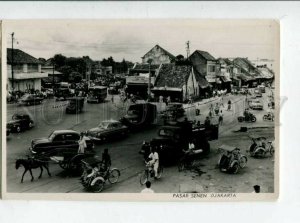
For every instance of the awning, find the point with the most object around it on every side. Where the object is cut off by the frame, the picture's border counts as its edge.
(245, 77)
(225, 79)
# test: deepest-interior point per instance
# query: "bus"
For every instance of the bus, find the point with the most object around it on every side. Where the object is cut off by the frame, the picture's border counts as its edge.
(97, 94)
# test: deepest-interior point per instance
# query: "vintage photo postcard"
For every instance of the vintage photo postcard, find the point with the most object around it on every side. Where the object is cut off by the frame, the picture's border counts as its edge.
(140, 110)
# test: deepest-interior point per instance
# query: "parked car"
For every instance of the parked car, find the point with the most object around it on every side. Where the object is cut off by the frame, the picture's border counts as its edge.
(59, 141)
(256, 105)
(171, 141)
(109, 129)
(30, 99)
(20, 122)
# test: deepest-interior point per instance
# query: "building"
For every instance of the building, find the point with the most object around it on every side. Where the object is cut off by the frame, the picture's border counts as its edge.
(225, 73)
(50, 70)
(179, 82)
(206, 66)
(246, 72)
(27, 72)
(138, 78)
(158, 56)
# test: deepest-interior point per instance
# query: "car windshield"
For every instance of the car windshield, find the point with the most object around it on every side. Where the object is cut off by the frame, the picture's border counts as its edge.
(51, 136)
(104, 125)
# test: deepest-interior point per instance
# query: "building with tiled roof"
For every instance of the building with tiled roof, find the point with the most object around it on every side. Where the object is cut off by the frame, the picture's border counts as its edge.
(179, 82)
(158, 55)
(23, 71)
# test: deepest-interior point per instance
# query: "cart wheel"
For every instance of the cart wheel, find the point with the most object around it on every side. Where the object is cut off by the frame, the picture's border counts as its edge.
(98, 186)
(144, 177)
(75, 165)
(114, 176)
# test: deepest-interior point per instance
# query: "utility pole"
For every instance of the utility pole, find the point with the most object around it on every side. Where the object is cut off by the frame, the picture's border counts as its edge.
(149, 80)
(187, 49)
(12, 61)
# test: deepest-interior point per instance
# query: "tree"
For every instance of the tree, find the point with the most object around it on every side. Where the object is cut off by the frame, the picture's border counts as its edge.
(43, 60)
(59, 60)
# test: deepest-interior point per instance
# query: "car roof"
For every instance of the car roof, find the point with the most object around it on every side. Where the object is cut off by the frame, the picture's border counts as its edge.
(65, 131)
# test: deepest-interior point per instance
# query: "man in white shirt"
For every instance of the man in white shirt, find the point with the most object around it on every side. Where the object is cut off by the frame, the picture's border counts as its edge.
(154, 161)
(147, 190)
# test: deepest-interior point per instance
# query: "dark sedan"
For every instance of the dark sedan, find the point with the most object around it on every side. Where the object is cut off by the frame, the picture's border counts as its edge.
(109, 129)
(20, 122)
(30, 99)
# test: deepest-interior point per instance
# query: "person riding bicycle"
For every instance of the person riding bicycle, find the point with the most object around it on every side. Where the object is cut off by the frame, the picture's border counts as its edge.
(154, 161)
(247, 114)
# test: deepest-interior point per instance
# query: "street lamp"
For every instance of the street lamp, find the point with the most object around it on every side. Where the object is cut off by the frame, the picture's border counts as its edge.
(149, 81)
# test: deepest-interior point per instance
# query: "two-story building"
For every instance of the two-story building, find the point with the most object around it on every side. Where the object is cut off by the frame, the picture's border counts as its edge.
(246, 71)
(225, 73)
(206, 65)
(158, 56)
(23, 71)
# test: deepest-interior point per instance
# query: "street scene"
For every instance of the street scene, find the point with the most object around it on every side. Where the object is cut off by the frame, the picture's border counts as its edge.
(122, 116)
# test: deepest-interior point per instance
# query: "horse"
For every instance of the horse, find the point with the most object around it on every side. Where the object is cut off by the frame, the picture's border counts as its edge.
(32, 163)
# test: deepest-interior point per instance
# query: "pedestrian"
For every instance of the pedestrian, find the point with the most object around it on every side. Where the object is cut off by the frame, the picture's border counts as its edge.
(256, 189)
(221, 118)
(106, 160)
(217, 109)
(148, 189)
(82, 143)
(207, 122)
(112, 98)
(228, 105)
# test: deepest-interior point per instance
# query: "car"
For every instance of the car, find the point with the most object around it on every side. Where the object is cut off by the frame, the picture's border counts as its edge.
(171, 141)
(108, 129)
(256, 105)
(30, 99)
(20, 122)
(59, 141)
(176, 108)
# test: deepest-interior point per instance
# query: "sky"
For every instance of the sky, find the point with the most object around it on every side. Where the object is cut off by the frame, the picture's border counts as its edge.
(131, 39)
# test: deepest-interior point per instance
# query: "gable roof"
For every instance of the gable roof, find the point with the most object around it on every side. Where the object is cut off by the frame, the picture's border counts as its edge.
(171, 75)
(204, 54)
(20, 57)
(145, 67)
(165, 51)
(226, 61)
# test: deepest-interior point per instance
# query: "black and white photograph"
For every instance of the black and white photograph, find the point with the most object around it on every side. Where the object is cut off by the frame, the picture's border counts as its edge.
(182, 108)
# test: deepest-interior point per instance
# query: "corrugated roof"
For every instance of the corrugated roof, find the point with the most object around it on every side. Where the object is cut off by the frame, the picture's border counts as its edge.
(171, 75)
(20, 57)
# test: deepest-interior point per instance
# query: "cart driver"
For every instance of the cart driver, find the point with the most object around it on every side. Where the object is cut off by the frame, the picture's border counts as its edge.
(154, 161)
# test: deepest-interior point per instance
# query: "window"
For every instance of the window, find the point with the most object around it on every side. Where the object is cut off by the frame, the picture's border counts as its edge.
(58, 138)
(211, 68)
(72, 137)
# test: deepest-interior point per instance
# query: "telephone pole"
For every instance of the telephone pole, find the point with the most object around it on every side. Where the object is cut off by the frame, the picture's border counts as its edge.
(12, 61)
(187, 49)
